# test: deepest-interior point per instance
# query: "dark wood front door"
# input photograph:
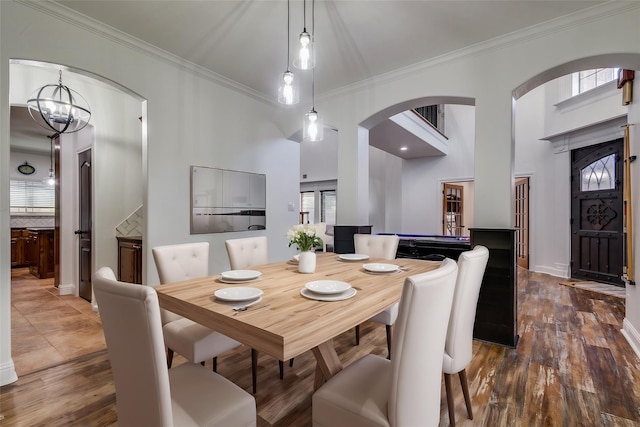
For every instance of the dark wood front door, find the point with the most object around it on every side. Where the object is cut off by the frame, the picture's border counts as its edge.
(596, 212)
(84, 232)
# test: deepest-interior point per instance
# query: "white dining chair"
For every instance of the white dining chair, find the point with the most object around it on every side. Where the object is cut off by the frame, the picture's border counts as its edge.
(458, 346)
(374, 391)
(195, 342)
(244, 253)
(147, 392)
(321, 232)
(384, 247)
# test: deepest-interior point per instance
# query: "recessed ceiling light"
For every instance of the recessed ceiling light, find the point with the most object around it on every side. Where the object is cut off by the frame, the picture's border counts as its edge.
(404, 148)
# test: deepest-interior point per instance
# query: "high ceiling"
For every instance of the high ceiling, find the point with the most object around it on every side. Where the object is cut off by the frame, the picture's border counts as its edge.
(245, 40)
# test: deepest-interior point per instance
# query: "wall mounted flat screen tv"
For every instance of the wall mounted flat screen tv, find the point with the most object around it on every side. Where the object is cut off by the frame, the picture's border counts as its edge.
(225, 200)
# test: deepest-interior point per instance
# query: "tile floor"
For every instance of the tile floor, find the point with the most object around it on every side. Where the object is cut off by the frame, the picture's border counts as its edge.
(46, 328)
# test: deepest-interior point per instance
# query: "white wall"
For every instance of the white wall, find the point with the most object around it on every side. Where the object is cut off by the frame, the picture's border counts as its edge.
(319, 159)
(385, 191)
(40, 162)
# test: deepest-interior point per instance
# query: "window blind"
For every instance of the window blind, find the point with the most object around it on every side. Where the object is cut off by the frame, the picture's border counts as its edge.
(31, 196)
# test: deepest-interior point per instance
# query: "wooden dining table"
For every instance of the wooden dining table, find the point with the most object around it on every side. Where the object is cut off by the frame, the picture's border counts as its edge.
(285, 324)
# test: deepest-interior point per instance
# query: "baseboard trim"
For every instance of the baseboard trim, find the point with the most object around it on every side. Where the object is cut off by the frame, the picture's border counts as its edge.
(632, 336)
(68, 289)
(8, 373)
(558, 271)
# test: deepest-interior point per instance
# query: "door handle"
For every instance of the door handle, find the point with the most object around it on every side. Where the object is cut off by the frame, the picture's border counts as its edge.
(80, 232)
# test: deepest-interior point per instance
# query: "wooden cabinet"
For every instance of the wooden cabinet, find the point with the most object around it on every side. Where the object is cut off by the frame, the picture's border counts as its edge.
(496, 316)
(130, 259)
(39, 250)
(19, 239)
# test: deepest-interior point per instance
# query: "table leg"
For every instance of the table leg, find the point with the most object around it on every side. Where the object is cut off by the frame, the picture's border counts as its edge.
(327, 362)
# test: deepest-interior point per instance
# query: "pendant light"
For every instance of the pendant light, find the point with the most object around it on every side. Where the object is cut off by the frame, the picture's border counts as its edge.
(306, 58)
(51, 179)
(313, 125)
(288, 91)
(59, 108)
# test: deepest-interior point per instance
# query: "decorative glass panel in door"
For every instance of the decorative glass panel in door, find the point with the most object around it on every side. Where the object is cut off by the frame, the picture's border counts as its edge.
(452, 209)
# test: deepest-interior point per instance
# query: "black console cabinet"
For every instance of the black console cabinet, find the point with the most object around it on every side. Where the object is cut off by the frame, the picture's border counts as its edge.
(343, 237)
(431, 247)
(496, 315)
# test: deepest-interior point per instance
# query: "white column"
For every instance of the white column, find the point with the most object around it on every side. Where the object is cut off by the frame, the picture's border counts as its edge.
(631, 325)
(353, 175)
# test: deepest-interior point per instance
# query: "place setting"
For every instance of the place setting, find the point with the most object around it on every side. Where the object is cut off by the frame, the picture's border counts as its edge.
(238, 297)
(353, 257)
(327, 290)
(239, 276)
(381, 268)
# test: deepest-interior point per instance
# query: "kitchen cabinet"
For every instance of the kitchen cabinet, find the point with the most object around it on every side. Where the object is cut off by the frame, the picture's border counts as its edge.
(19, 237)
(40, 252)
(130, 259)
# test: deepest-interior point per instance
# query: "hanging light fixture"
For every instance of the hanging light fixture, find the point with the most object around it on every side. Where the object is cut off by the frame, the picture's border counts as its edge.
(313, 126)
(288, 91)
(59, 108)
(51, 179)
(306, 58)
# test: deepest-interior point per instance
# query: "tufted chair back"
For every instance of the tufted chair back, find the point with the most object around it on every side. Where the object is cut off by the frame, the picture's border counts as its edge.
(244, 253)
(376, 245)
(180, 262)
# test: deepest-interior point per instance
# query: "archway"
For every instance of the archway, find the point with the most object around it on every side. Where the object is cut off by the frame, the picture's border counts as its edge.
(405, 191)
(116, 138)
(548, 123)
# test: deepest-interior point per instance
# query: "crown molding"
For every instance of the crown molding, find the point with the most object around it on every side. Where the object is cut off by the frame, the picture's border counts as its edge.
(94, 26)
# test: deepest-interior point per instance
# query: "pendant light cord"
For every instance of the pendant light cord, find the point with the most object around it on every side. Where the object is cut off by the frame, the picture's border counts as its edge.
(304, 16)
(288, 33)
(51, 153)
(313, 70)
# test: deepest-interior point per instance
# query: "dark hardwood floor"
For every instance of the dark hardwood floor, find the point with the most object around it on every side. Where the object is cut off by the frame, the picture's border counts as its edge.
(572, 367)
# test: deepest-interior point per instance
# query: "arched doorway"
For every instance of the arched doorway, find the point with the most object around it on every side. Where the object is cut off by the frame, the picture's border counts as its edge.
(115, 136)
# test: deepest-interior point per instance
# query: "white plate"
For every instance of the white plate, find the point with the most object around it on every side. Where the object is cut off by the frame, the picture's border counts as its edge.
(353, 257)
(295, 259)
(327, 287)
(335, 297)
(240, 275)
(223, 280)
(380, 268)
(244, 303)
(238, 293)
